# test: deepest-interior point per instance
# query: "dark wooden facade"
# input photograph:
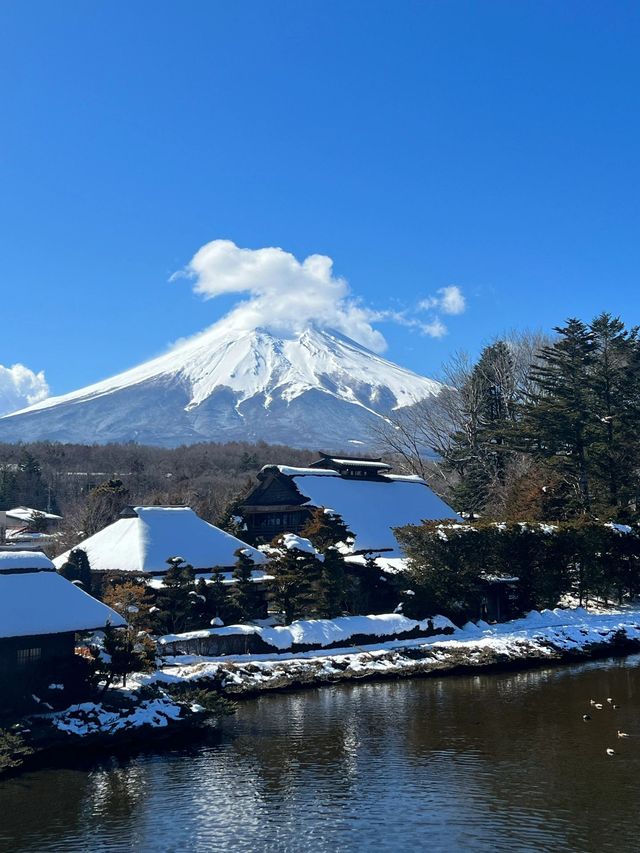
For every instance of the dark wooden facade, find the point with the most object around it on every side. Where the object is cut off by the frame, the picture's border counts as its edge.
(275, 506)
(499, 601)
(353, 467)
(28, 662)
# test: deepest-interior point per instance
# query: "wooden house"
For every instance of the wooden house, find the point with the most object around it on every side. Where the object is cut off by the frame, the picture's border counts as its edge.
(142, 540)
(40, 615)
(362, 490)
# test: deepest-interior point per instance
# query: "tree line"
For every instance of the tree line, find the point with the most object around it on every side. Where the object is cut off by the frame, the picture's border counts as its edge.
(449, 564)
(538, 428)
(89, 485)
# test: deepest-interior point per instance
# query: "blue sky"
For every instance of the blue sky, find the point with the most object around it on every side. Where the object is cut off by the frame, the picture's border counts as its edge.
(491, 146)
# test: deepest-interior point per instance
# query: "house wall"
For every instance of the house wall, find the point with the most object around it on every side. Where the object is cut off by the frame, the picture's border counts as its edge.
(22, 657)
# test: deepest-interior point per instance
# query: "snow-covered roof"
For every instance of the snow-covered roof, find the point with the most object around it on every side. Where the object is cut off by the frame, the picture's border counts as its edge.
(144, 542)
(361, 463)
(371, 508)
(26, 513)
(12, 561)
(292, 471)
(35, 599)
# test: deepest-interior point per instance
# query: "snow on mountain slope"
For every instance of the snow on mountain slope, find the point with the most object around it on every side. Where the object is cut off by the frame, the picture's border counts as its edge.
(315, 388)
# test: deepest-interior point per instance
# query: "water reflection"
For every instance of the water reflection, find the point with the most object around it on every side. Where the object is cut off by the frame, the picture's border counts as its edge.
(495, 762)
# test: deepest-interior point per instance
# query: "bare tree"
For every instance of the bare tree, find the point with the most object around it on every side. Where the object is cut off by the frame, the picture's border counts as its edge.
(420, 438)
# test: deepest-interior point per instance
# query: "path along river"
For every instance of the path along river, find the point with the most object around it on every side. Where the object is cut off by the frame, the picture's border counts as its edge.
(474, 763)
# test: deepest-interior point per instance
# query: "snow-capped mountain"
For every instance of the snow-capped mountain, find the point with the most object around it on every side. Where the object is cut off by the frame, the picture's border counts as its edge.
(312, 389)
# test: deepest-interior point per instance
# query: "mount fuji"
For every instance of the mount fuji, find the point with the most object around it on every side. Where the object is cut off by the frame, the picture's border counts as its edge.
(315, 388)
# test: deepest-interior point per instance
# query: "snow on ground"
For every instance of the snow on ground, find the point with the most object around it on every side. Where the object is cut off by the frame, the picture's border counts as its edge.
(320, 632)
(546, 635)
(91, 718)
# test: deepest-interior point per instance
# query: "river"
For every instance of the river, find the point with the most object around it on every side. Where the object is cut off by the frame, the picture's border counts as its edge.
(479, 763)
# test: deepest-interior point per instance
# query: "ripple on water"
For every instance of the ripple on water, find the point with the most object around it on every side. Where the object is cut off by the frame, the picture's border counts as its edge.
(496, 762)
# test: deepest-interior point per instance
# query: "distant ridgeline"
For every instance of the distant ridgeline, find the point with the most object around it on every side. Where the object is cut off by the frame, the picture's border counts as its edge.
(316, 386)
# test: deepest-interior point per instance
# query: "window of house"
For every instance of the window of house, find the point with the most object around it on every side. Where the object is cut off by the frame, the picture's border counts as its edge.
(27, 657)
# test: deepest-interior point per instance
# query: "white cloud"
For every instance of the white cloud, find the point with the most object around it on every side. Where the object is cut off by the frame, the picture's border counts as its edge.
(20, 387)
(449, 300)
(287, 295)
(434, 328)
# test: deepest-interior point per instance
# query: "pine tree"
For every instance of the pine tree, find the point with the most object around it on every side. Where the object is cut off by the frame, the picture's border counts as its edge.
(478, 451)
(31, 488)
(615, 387)
(104, 505)
(231, 514)
(8, 488)
(77, 568)
(199, 616)
(173, 600)
(557, 420)
(332, 584)
(218, 595)
(324, 529)
(28, 464)
(245, 595)
(293, 589)
(126, 652)
(38, 522)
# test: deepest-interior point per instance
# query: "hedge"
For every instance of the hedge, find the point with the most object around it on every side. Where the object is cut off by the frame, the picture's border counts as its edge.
(448, 561)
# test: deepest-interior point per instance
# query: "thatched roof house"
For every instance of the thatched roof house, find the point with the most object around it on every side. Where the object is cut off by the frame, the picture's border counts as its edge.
(370, 500)
(40, 614)
(145, 537)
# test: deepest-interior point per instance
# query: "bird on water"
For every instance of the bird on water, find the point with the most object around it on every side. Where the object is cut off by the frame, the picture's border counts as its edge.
(611, 752)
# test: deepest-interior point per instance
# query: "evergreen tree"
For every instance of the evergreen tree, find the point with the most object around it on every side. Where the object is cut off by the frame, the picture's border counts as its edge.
(478, 450)
(199, 616)
(77, 568)
(332, 584)
(615, 388)
(28, 464)
(31, 488)
(8, 488)
(126, 651)
(293, 589)
(38, 522)
(324, 529)
(231, 515)
(557, 420)
(174, 603)
(245, 595)
(104, 505)
(218, 596)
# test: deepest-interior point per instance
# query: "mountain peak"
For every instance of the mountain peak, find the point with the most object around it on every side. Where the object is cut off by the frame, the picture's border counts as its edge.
(225, 384)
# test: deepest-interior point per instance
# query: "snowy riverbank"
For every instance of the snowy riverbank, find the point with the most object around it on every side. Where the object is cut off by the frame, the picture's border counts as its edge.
(552, 635)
